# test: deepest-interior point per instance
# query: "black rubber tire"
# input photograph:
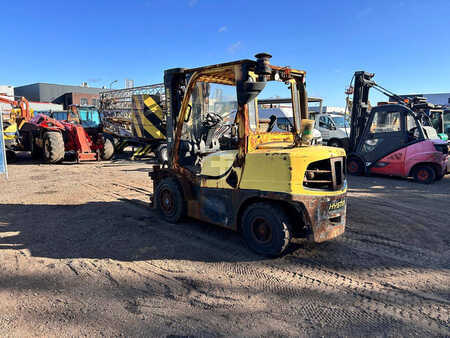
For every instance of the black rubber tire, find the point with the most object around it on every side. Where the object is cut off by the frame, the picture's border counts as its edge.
(107, 151)
(162, 153)
(274, 219)
(355, 166)
(36, 151)
(424, 174)
(334, 143)
(169, 200)
(11, 156)
(53, 151)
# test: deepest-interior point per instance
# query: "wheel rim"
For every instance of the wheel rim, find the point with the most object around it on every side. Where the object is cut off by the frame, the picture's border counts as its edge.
(353, 167)
(164, 155)
(261, 231)
(423, 174)
(167, 202)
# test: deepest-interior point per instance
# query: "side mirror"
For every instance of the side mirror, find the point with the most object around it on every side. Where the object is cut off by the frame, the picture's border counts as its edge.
(332, 127)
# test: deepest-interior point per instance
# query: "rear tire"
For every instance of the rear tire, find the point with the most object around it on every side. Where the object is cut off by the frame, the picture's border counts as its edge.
(36, 151)
(266, 228)
(53, 147)
(424, 174)
(107, 151)
(169, 200)
(355, 166)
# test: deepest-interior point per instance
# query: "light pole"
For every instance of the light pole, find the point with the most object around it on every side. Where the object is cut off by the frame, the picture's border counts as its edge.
(110, 85)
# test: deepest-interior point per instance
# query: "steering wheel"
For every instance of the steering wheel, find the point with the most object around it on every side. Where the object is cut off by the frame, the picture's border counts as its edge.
(413, 133)
(212, 119)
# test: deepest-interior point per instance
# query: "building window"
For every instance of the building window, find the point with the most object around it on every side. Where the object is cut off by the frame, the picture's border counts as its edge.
(94, 102)
(83, 102)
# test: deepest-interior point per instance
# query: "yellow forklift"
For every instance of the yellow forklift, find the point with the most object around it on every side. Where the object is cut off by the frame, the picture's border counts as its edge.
(270, 186)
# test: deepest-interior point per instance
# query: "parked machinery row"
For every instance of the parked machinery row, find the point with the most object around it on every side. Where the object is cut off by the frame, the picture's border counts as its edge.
(50, 139)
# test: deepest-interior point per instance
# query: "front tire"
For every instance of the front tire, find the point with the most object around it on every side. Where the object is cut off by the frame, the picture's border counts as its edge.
(424, 174)
(169, 200)
(266, 228)
(53, 147)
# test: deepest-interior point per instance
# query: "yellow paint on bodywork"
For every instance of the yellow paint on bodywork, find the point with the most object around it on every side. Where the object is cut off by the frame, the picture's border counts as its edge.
(10, 132)
(282, 169)
(217, 164)
(154, 107)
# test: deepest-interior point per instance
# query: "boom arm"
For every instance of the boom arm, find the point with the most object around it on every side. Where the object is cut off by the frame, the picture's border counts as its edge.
(23, 104)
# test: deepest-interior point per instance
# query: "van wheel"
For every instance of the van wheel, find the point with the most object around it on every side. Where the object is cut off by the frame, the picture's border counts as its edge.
(266, 228)
(334, 143)
(169, 200)
(424, 174)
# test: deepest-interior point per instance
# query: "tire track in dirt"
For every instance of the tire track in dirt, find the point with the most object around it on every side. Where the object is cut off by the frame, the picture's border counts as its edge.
(372, 296)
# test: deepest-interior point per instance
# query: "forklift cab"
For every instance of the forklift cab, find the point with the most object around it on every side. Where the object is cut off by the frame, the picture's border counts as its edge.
(440, 120)
(390, 127)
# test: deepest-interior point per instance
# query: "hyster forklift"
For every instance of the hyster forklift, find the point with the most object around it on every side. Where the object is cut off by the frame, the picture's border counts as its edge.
(271, 186)
(389, 139)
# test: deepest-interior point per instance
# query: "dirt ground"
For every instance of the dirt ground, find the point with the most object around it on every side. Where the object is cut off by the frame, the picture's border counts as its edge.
(82, 254)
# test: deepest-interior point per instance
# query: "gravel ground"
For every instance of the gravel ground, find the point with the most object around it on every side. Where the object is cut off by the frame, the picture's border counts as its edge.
(81, 253)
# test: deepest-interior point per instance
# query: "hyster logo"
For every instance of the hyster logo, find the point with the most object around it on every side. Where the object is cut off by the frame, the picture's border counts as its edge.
(336, 205)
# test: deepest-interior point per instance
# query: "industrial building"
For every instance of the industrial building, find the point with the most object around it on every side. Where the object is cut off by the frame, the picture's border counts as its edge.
(59, 94)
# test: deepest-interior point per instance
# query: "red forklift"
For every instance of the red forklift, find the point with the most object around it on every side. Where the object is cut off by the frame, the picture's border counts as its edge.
(389, 139)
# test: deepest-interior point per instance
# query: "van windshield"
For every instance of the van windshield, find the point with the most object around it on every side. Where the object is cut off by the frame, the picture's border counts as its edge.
(340, 122)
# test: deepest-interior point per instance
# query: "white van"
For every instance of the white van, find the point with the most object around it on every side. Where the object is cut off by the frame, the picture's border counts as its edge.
(335, 128)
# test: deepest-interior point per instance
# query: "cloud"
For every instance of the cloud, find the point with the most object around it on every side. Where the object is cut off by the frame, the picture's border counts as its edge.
(234, 47)
(222, 29)
(192, 3)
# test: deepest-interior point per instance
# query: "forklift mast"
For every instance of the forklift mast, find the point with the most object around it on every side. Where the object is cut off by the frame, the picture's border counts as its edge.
(359, 115)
